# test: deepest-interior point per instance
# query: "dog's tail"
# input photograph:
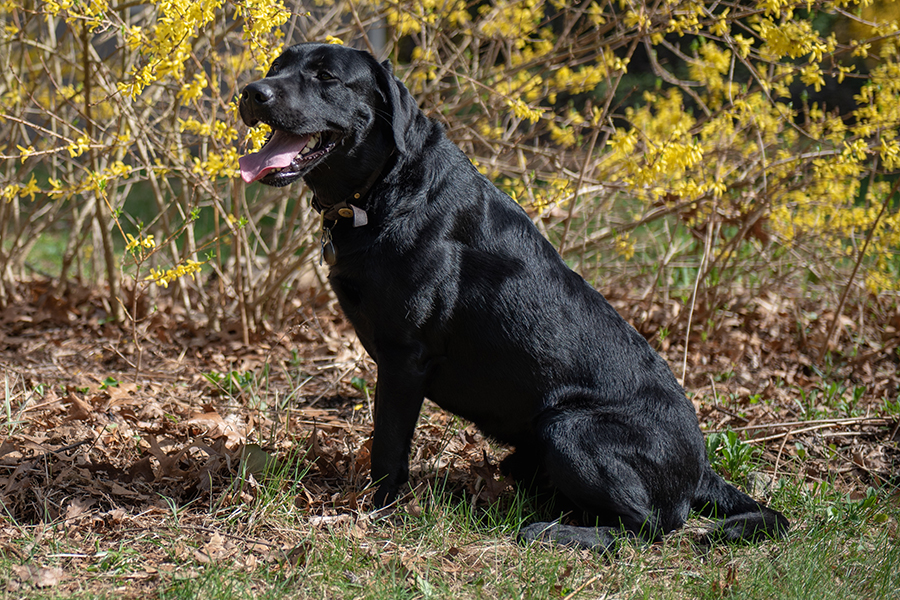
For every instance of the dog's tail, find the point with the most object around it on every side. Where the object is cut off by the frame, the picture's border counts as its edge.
(743, 518)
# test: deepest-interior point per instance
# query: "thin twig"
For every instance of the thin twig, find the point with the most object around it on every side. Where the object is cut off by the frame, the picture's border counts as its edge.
(793, 431)
(241, 538)
(582, 586)
(778, 458)
(603, 115)
(859, 259)
(587, 158)
(700, 274)
(843, 421)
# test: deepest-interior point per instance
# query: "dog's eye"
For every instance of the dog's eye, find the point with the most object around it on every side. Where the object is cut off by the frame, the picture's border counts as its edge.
(274, 68)
(324, 76)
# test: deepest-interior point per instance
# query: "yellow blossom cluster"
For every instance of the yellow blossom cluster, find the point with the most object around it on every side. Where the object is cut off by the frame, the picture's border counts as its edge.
(507, 19)
(166, 46)
(218, 164)
(134, 244)
(717, 112)
(585, 78)
(163, 277)
(140, 97)
(523, 111)
(738, 151)
(411, 17)
(624, 245)
(218, 130)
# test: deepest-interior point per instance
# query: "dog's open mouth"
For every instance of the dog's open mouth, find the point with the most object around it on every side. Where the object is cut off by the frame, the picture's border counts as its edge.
(282, 158)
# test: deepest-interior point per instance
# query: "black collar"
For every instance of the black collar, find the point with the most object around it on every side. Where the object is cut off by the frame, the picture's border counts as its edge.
(343, 210)
(346, 209)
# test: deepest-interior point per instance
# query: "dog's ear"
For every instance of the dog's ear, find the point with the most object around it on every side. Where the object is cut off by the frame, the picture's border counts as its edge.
(402, 105)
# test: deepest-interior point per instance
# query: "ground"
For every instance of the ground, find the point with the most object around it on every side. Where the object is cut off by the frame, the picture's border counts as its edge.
(129, 470)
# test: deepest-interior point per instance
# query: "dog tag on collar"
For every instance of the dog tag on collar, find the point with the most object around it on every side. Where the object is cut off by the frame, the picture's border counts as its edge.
(329, 255)
(360, 217)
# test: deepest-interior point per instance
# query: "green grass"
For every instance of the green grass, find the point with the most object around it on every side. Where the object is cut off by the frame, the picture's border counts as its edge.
(250, 539)
(838, 548)
(250, 536)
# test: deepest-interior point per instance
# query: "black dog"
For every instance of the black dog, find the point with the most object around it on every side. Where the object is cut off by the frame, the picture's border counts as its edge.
(458, 298)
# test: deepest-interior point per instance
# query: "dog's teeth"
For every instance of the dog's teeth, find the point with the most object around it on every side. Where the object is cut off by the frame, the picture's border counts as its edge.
(313, 140)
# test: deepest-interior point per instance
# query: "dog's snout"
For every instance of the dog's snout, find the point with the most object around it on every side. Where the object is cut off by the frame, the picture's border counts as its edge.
(258, 94)
(256, 100)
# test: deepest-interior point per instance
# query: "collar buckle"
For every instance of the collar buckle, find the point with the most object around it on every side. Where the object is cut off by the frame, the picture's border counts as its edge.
(343, 210)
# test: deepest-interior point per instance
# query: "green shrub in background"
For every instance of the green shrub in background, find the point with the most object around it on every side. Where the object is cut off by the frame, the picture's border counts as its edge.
(705, 149)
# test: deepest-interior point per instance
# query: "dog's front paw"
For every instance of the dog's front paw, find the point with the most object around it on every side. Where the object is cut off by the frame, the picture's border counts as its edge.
(389, 479)
(598, 539)
(384, 495)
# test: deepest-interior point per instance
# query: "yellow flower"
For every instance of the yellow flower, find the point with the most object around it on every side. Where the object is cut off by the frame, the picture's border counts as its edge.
(132, 243)
(523, 111)
(624, 245)
(563, 135)
(9, 192)
(861, 50)
(79, 146)
(26, 152)
(29, 189)
(157, 277)
(194, 89)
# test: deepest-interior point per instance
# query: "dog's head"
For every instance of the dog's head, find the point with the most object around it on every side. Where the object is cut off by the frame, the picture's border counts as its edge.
(322, 101)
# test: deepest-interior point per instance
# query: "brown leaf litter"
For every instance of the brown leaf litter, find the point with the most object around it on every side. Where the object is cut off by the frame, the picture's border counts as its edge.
(99, 452)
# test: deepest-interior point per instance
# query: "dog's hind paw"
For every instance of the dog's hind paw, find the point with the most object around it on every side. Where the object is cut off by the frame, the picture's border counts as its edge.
(598, 539)
(748, 528)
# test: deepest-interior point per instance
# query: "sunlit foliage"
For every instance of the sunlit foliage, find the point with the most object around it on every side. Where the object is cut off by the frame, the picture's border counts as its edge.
(767, 127)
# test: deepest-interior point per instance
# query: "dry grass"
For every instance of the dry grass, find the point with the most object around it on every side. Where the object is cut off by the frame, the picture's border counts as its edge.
(123, 484)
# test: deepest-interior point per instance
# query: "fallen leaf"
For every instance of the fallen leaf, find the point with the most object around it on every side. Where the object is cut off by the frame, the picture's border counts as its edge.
(494, 482)
(6, 447)
(77, 507)
(298, 554)
(39, 577)
(143, 469)
(78, 409)
(255, 460)
(363, 461)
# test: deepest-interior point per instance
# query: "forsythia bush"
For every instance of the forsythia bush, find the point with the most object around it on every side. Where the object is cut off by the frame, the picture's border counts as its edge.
(754, 141)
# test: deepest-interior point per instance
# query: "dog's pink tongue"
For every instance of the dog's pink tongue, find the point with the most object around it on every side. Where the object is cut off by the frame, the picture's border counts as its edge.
(278, 153)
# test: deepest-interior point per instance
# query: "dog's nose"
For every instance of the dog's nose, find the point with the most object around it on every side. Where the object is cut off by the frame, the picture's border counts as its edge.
(257, 94)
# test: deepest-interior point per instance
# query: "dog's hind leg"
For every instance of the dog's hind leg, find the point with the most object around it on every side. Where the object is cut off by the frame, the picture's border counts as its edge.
(583, 479)
(610, 470)
(744, 519)
(598, 539)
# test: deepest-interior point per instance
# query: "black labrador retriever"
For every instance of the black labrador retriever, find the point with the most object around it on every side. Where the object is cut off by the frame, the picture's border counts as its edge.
(458, 298)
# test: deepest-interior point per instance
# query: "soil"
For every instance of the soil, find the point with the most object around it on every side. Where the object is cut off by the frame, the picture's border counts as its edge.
(105, 438)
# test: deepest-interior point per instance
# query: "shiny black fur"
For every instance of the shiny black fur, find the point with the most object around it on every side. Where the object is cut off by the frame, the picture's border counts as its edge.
(458, 298)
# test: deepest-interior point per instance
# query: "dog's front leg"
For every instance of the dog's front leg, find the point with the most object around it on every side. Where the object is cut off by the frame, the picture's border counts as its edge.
(399, 393)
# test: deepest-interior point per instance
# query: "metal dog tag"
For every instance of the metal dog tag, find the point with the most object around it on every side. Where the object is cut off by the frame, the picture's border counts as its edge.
(329, 255)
